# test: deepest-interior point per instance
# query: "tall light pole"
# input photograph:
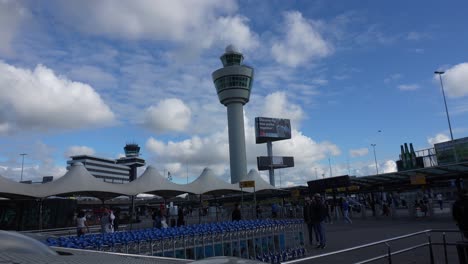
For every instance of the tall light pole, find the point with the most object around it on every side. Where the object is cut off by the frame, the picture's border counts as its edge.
(375, 158)
(445, 101)
(316, 175)
(329, 163)
(22, 165)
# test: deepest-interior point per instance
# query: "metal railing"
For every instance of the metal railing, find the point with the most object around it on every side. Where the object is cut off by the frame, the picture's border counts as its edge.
(391, 253)
(87, 252)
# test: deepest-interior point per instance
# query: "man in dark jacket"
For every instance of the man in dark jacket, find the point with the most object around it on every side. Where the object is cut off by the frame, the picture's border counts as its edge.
(308, 219)
(236, 214)
(460, 212)
(318, 216)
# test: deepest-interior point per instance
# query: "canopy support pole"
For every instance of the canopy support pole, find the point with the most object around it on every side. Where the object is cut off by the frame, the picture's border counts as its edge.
(40, 213)
(132, 209)
(200, 210)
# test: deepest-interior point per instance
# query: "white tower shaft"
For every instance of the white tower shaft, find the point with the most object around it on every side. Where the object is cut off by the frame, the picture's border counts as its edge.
(237, 153)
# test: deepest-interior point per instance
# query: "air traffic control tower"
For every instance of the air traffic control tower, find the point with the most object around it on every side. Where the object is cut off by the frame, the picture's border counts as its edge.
(233, 83)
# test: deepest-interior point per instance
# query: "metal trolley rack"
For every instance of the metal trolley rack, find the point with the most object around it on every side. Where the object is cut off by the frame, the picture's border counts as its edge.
(266, 240)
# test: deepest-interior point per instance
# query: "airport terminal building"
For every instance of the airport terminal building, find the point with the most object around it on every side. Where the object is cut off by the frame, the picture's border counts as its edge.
(120, 170)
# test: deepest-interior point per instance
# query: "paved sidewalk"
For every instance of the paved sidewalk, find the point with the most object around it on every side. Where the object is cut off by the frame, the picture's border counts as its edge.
(341, 235)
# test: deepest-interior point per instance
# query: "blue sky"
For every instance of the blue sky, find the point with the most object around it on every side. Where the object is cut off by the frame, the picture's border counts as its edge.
(86, 77)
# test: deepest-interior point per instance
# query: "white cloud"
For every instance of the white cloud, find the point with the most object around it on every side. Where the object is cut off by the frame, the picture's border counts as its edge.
(438, 139)
(168, 115)
(93, 75)
(38, 162)
(194, 24)
(212, 150)
(393, 77)
(40, 99)
(358, 152)
(11, 16)
(408, 87)
(389, 166)
(277, 105)
(301, 43)
(79, 150)
(416, 36)
(455, 80)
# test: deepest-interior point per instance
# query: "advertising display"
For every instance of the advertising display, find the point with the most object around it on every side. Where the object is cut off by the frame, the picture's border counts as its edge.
(271, 129)
(275, 162)
(321, 185)
(452, 151)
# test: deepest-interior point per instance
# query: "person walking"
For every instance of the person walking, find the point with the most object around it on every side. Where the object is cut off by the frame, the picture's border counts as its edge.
(345, 207)
(180, 216)
(460, 212)
(236, 213)
(117, 219)
(106, 222)
(441, 201)
(318, 216)
(307, 212)
(81, 225)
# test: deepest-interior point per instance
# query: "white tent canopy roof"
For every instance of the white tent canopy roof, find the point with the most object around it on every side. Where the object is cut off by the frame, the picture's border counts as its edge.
(79, 181)
(154, 183)
(12, 189)
(260, 183)
(208, 183)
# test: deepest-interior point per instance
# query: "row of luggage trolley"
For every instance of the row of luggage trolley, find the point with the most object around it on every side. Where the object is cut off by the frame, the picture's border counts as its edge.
(268, 240)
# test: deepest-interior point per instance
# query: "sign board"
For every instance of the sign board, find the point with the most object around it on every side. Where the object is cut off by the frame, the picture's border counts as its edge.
(318, 186)
(418, 179)
(247, 184)
(295, 193)
(271, 129)
(46, 179)
(452, 151)
(275, 162)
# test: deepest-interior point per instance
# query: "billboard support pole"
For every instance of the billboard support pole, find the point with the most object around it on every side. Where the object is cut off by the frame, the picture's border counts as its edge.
(271, 170)
(242, 200)
(255, 203)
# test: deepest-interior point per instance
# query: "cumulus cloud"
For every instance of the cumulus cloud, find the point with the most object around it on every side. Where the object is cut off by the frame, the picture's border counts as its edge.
(455, 80)
(93, 75)
(393, 77)
(302, 42)
(212, 150)
(40, 99)
(195, 24)
(358, 152)
(79, 150)
(11, 16)
(389, 166)
(438, 139)
(38, 162)
(277, 105)
(168, 115)
(408, 87)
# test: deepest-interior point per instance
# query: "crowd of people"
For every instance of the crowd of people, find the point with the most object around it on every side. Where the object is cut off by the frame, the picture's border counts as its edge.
(109, 221)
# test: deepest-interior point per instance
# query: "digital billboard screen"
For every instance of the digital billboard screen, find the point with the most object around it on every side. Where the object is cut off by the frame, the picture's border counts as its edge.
(271, 129)
(275, 162)
(452, 151)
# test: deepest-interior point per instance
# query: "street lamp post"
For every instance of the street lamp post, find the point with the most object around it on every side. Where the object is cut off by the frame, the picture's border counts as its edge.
(22, 165)
(445, 101)
(375, 159)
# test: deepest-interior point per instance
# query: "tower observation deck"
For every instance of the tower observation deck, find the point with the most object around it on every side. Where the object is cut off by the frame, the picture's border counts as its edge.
(233, 83)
